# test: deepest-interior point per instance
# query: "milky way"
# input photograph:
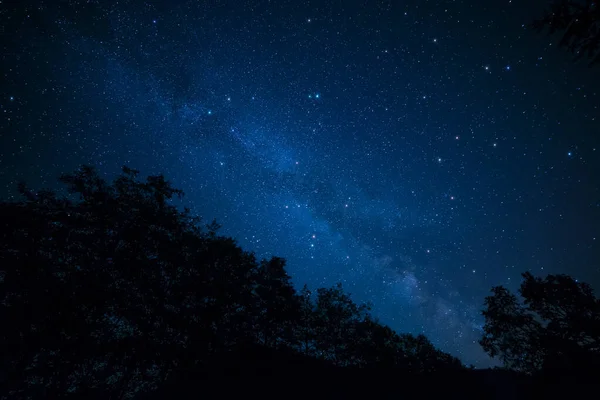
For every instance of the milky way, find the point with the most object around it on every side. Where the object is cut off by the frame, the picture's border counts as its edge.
(419, 153)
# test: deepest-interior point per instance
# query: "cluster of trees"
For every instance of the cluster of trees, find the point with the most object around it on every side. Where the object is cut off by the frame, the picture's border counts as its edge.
(111, 291)
(552, 330)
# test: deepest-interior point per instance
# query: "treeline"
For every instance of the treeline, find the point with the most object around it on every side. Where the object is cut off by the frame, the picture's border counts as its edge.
(111, 292)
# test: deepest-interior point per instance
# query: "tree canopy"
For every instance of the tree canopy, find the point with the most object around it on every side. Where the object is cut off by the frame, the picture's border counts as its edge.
(578, 21)
(112, 292)
(555, 328)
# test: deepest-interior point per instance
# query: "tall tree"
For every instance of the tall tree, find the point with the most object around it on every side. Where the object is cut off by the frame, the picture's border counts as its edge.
(336, 318)
(557, 326)
(277, 306)
(305, 329)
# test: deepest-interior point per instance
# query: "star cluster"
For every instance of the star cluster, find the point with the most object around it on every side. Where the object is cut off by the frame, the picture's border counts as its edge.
(419, 152)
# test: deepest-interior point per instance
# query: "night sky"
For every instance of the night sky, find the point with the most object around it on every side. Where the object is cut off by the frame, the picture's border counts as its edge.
(419, 152)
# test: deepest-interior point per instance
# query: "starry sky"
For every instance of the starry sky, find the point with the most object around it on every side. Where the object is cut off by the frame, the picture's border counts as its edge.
(419, 152)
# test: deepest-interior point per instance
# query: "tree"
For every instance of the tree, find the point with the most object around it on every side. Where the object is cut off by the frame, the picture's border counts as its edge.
(336, 329)
(419, 355)
(375, 345)
(305, 329)
(557, 326)
(335, 320)
(113, 292)
(110, 291)
(276, 302)
(579, 23)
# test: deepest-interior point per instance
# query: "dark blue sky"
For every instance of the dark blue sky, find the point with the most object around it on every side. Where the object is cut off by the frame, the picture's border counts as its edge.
(419, 152)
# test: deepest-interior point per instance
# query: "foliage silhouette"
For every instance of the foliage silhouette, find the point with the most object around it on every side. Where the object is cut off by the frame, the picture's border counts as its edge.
(556, 330)
(579, 23)
(113, 292)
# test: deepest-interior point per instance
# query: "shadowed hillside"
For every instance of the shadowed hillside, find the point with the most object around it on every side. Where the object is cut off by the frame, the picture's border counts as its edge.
(112, 292)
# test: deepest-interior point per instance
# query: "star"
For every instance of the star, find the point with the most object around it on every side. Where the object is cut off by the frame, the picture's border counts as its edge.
(389, 107)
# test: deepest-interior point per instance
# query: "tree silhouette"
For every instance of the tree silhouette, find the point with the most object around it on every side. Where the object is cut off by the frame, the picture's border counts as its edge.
(579, 23)
(557, 327)
(335, 319)
(113, 292)
(305, 329)
(277, 306)
(375, 345)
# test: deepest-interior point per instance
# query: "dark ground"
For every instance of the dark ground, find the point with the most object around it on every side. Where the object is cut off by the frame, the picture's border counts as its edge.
(263, 373)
